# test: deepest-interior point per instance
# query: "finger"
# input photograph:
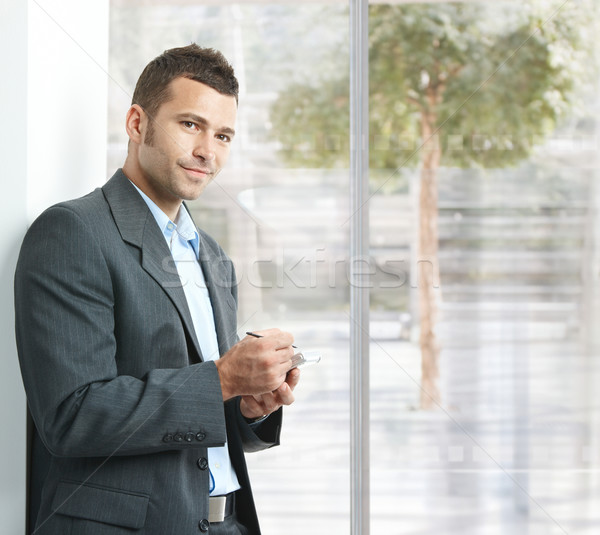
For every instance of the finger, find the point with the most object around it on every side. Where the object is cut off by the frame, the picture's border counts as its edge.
(251, 407)
(268, 332)
(284, 395)
(285, 356)
(251, 403)
(292, 378)
(267, 402)
(270, 403)
(281, 339)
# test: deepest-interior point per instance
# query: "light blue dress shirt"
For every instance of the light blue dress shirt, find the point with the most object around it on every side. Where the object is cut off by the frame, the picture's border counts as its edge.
(184, 242)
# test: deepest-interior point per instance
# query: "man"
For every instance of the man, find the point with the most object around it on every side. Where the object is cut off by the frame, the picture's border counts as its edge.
(123, 308)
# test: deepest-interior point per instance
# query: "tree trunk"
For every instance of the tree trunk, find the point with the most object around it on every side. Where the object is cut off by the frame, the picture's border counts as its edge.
(428, 278)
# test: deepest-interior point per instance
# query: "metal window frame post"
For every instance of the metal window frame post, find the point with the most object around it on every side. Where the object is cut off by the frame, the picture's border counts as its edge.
(359, 258)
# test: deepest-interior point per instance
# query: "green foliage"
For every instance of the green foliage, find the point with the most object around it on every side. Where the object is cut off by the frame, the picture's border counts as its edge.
(312, 124)
(492, 79)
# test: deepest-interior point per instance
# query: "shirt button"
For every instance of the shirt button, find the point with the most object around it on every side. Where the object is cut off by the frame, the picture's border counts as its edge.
(178, 437)
(202, 463)
(189, 437)
(200, 437)
(203, 525)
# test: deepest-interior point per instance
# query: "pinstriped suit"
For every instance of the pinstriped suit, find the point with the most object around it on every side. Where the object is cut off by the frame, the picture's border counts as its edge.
(123, 405)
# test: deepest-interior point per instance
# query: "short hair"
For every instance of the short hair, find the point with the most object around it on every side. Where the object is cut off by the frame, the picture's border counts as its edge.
(204, 65)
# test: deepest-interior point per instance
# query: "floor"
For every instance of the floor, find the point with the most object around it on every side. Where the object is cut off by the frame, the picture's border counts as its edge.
(513, 448)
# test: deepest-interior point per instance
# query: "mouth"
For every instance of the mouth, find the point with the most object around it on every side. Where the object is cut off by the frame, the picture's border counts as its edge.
(197, 172)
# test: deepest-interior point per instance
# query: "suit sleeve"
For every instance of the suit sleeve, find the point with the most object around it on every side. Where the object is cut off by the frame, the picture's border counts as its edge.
(65, 330)
(258, 437)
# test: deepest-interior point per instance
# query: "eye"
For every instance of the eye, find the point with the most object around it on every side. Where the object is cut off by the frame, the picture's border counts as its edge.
(223, 137)
(189, 125)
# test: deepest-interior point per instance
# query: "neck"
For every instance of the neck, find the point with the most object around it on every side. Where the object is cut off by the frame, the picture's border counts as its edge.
(135, 175)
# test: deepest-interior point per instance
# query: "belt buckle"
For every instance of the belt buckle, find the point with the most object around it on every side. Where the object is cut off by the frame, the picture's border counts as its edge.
(216, 508)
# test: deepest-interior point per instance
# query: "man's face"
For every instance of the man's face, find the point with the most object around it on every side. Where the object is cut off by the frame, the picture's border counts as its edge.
(185, 144)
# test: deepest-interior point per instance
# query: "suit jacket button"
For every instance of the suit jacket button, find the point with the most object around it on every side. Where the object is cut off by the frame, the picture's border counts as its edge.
(168, 437)
(202, 463)
(200, 436)
(189, 437)
(204, 525)
(178, 437)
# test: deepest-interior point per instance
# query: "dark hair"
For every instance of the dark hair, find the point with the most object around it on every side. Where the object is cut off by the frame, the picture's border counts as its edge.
(204, 65)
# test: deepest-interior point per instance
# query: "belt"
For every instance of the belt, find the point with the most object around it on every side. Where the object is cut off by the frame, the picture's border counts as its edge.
(220, 507)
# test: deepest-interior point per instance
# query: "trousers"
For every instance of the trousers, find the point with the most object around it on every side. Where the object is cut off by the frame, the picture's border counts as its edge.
(229, 526)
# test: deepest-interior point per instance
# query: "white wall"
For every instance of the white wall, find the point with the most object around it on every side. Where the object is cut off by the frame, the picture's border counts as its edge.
(52, 147)
(67, 106)
(13, 155)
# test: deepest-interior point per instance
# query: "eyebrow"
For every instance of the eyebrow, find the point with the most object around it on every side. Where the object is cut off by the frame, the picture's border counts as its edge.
(201, 120)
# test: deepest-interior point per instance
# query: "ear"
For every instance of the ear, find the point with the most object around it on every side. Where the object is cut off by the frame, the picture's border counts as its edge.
(135, 123)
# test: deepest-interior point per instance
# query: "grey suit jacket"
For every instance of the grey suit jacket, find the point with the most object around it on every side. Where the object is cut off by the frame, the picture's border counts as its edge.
(124, 406)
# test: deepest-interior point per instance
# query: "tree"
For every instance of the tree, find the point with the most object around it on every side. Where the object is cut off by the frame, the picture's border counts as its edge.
(453, 84)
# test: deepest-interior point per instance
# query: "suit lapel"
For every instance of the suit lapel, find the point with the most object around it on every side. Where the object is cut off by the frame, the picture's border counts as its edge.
(139, 228)
(216, 286)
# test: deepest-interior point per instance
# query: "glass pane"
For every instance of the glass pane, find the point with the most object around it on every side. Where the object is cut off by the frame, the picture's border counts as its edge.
(278, 209)
(485, 236)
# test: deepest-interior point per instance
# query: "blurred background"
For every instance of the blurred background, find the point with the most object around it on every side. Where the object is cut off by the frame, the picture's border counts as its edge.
(484, 238)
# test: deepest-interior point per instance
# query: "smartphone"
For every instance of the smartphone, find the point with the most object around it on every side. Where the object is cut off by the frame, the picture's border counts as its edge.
(304, 358)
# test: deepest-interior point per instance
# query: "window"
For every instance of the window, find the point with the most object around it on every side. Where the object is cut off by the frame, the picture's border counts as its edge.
(505, 439)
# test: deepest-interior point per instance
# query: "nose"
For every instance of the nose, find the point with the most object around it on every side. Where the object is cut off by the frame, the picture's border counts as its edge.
(204, 148)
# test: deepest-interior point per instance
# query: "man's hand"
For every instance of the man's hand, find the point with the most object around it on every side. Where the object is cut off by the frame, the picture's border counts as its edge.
(264, 404)
(257, 366)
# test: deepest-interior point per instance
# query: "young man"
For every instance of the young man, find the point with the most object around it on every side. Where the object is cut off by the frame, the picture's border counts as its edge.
(143, 399)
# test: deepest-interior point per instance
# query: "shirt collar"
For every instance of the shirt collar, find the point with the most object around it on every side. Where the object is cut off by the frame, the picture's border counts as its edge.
(183, 224)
